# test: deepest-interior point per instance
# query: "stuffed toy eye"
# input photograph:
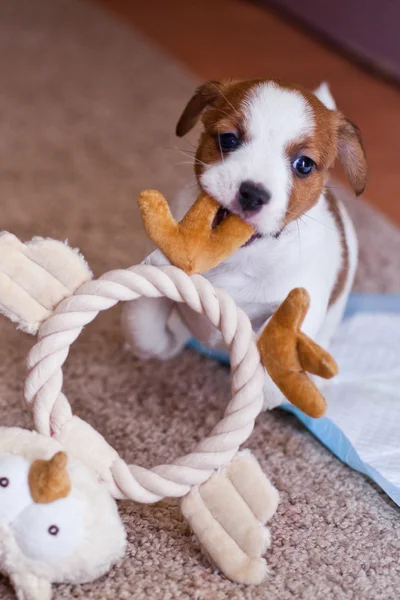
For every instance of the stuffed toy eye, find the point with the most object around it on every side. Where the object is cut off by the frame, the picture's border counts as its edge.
(50, 532)
(14, 489)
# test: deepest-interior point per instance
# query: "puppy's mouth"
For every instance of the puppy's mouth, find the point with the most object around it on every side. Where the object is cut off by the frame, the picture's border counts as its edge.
(221, 215)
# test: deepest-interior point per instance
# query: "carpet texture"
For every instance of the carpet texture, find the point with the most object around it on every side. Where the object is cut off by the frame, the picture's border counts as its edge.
(88, 110)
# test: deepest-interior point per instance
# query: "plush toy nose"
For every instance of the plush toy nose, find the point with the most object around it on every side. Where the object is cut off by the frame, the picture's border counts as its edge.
(49, 480)
(252, 196)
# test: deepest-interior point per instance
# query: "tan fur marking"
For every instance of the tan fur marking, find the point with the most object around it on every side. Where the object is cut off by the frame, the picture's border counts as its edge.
(321, 147)
(343, 272)
(224, 114)
(351, 154)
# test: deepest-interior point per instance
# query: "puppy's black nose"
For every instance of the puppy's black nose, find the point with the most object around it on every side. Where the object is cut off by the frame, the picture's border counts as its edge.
(252, 196)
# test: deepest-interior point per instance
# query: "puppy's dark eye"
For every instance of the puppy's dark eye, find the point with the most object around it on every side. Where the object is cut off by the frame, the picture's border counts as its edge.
(227, 141)
(4, 482)
(303, 166)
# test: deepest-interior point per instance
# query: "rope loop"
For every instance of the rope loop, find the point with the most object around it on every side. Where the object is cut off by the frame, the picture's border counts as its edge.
(52, 412)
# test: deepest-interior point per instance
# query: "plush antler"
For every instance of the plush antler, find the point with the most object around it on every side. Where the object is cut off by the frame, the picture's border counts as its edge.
(193, 245)
(287, 353)
(49, 480)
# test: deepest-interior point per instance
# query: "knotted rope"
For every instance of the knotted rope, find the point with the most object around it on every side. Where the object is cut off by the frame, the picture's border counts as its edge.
(52, 412)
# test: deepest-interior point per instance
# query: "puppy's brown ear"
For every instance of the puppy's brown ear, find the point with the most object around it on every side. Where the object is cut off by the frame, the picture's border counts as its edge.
(352, 155)
(203, 96)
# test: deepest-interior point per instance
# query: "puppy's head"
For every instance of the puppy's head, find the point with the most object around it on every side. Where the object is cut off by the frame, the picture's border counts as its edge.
(266, 148)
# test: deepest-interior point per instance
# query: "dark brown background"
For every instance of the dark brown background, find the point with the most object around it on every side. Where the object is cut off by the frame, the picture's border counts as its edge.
(367, 28)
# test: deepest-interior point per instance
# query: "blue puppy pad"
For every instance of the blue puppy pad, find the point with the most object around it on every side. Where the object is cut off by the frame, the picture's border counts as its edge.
(362, 423)
(375, 303)
(218, 355)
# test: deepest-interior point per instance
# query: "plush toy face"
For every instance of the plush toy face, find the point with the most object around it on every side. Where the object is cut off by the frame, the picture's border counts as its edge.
(57, 523)
(46, 532)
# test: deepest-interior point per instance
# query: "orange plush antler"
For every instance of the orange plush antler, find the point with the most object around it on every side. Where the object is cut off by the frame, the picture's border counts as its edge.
(193, 245)
(287, 353)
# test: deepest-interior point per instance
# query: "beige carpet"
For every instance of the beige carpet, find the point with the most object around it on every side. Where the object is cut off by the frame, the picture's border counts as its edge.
(87, 112)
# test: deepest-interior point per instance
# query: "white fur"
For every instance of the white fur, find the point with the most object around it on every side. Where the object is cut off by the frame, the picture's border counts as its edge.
(323, 93)
(307, 254)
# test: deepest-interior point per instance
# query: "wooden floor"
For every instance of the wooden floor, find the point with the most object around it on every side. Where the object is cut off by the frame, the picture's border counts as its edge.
(217, 38)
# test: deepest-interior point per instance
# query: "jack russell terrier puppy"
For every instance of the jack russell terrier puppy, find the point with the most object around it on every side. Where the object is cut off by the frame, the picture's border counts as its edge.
(265, 152)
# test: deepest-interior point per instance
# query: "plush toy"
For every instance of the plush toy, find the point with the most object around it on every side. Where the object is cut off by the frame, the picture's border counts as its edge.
(288, 354)
(58, 518)
(195, 246)
(57, 522)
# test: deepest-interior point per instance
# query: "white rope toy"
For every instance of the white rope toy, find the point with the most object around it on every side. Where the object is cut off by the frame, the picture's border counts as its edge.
(47, 289)
(51, 409)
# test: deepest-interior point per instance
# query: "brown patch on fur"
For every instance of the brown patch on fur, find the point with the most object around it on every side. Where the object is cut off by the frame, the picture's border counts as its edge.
(203, 96)
(223, 115)
(352, 155)
(344, 268)
(220, 105)
(321, 147)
